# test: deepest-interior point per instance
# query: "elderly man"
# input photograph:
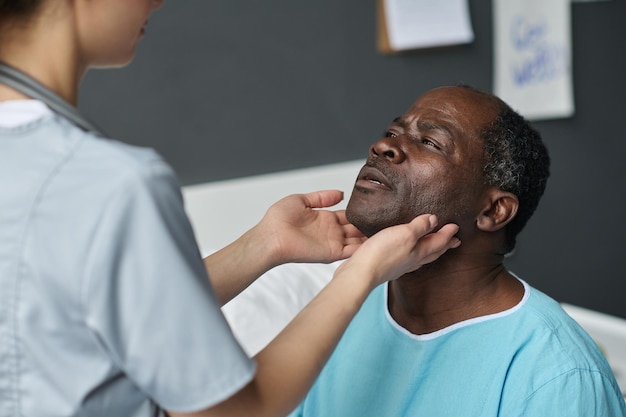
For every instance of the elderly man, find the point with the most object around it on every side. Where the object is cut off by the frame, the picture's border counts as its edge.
(462, 336)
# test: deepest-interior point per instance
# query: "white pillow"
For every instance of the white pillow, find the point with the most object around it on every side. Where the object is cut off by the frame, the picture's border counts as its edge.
(260, 312)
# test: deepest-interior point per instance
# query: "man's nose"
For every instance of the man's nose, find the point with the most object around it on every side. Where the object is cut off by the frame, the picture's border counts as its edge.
(388, 148)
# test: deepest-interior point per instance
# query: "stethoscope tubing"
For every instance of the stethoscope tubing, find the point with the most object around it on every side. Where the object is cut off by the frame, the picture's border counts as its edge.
(29, 86)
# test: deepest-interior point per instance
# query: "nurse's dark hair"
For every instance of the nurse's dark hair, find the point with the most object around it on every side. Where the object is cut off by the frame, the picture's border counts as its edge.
(515, 160)
(10, 9)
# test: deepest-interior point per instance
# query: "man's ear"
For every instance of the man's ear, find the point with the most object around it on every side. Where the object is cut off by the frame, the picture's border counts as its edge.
(499, 209)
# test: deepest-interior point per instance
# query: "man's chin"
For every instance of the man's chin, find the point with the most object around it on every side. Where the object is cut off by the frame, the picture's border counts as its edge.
(368, 223)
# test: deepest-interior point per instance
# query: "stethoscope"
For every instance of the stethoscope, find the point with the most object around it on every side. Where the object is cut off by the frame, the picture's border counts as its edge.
(29, 86)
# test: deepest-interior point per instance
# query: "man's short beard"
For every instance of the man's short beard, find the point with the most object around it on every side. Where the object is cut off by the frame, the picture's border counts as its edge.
(368, 223)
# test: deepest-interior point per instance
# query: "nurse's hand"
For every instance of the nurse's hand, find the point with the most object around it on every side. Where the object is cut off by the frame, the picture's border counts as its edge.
(400, 249)
(298, 229)
(295, 229)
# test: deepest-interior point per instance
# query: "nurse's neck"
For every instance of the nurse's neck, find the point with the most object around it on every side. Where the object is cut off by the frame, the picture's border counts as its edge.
(47, 50)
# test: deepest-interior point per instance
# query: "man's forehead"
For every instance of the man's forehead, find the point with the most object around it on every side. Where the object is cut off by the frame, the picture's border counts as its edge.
(445, 97)
(455, 104)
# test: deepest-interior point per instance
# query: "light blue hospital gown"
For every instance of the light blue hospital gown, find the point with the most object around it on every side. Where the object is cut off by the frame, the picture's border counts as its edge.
(530, 361)
(105, 307)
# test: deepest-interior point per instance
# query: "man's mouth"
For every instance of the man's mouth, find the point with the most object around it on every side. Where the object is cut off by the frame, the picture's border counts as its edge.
(371, 177)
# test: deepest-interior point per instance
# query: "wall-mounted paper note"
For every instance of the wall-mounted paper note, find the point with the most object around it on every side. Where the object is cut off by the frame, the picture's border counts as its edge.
(533, 57)
(427, 23)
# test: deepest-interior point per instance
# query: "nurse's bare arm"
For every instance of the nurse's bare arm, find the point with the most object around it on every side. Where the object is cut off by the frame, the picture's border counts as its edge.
(289, 365)
(297, 228)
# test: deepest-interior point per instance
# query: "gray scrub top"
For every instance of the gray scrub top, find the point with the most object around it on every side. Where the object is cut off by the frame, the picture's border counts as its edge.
(105, 306)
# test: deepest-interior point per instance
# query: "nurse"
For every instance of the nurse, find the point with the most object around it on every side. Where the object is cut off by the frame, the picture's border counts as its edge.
(106, 308)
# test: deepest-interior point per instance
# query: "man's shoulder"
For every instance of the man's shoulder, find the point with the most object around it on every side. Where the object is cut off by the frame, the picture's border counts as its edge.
(553, 341)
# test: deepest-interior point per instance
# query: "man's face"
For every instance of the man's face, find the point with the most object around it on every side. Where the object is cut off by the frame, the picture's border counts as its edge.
(430, 161)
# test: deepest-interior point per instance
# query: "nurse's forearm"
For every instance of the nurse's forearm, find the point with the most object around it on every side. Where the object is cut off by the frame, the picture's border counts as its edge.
(233, 268)
(288, 366)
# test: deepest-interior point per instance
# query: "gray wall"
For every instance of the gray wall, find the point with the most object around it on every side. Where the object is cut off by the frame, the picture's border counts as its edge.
(230, 88)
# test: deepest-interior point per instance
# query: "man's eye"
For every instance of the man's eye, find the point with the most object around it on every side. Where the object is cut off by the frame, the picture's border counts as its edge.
(389, 134)
(429, 142)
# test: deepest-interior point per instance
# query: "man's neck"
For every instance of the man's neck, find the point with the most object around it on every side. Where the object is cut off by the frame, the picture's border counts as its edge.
(445, 293)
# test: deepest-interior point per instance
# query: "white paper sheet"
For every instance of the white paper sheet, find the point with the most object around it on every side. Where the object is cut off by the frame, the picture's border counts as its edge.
(427, 23)
(533, 57)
